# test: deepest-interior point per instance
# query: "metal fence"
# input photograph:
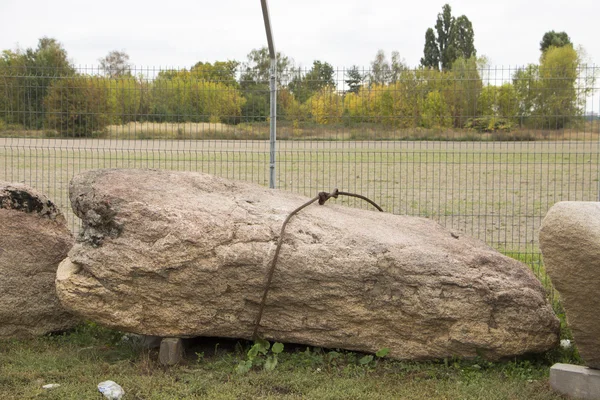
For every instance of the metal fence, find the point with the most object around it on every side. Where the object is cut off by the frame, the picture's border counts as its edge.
(482, 151)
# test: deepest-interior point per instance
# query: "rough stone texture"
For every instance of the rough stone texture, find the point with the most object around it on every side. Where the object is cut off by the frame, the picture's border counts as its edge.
(178, 254)
(34, 239)
(570, 244)
(171, 351)
(575, 381)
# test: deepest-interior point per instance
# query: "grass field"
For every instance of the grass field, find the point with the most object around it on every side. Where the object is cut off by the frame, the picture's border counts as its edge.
(495, 191)
(79, 360)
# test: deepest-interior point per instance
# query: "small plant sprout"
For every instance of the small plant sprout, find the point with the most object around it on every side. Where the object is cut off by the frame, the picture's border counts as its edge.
(259, 355)
(366, 360)
(271, 361)
(382, 352)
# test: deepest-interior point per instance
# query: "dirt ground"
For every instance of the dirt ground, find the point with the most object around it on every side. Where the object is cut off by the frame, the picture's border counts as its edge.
(496, 191)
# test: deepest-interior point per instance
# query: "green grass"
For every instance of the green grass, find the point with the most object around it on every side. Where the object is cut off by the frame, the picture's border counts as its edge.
(80, 359)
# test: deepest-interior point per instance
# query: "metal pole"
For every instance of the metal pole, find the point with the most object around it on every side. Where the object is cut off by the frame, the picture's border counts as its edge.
(273, 97)
(273, 125)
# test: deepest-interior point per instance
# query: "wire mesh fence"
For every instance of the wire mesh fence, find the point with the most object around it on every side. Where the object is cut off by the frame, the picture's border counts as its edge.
(485, 151)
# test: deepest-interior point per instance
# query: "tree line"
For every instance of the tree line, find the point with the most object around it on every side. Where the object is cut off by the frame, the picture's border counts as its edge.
(41, 89)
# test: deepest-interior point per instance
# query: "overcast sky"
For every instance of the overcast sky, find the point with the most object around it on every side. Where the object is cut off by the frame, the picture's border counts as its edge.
(178, 33)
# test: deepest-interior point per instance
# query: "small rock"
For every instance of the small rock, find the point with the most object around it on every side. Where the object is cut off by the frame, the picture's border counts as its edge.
(51, 386)
(111, 390)
(171, 351)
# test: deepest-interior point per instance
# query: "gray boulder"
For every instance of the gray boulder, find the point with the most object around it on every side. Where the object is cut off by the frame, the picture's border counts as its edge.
(570, 244)
(180, 254)
(34, 239)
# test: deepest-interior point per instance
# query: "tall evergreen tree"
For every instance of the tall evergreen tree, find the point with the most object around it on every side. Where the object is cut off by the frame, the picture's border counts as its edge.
(454, 40)
(354, 79)
(461, 44)
(431, 53)
(443, 26)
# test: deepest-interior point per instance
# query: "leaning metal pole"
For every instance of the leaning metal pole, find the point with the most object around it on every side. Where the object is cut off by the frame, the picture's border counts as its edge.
(273, 99)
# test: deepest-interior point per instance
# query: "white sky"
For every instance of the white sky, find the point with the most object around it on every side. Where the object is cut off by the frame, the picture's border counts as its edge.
(178, 33)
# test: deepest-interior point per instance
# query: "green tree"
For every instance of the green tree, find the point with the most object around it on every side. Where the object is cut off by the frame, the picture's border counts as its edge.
(497, 108)
(28, 74)
(290, 109)
(455, 39)
(49, 58)
(319, 76)
(254, 82)
(354, 79)
(131, 98)
(78, 106)
(219, 71)
(12, 90)
(507, 105)
(556, 39)
(393, 105)
(431, 52)
(551, 95)
(435, 112)
(558, 102)
(526, 85)
(116, 64)
(443, 26)
(258, 67)
(466, 90)
(180, 96)
(461, 43)
(486, 103)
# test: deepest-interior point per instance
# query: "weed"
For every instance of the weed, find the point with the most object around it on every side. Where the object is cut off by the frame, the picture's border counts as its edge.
(258, 355)
(369, 360)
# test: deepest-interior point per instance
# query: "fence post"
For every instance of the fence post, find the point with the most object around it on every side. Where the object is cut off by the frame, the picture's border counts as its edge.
(273, 99)
(273, 121)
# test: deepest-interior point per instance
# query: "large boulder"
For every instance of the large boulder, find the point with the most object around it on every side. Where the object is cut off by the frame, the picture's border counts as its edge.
(570, 244)
(179, 254)
(34, 239)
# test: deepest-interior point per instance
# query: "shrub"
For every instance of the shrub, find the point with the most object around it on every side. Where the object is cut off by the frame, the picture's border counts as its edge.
(78, 106)
(489, 124)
